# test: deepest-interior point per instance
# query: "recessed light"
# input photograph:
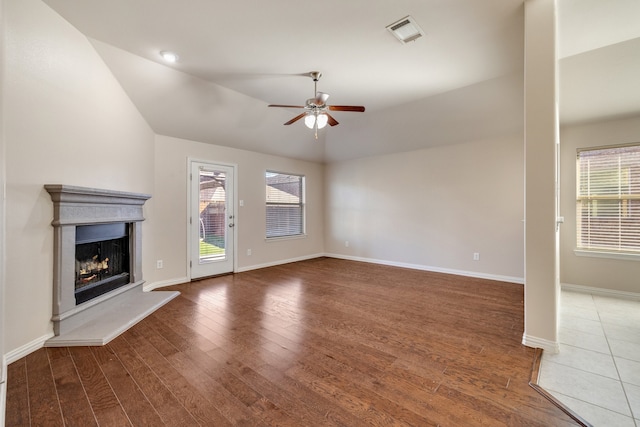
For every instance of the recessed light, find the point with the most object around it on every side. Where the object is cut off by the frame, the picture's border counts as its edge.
(406, 29)
(169, 56)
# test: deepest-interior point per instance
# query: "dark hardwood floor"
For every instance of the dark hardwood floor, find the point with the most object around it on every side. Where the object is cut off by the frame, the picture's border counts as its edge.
(316, 343)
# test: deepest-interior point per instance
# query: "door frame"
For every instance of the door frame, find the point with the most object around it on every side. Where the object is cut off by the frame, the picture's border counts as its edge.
(234, 233)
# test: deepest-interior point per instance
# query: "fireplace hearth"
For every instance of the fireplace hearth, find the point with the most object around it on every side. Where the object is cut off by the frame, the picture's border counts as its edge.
(97, 277)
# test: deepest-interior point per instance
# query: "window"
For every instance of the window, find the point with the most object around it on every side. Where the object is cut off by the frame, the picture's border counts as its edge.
(608, 202)
(285, 204)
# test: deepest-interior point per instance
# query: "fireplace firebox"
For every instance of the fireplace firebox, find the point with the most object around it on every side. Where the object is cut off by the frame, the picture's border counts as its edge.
(102, 259)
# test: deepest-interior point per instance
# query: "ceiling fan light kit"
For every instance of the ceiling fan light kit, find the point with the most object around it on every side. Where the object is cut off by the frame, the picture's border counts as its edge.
(320, 120)
(316, 115)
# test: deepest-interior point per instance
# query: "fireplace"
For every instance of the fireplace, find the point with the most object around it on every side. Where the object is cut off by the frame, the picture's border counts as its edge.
(97, 268)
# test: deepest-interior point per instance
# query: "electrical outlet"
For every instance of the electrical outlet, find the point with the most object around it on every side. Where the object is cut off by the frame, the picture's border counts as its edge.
(476, 256)
(346, 243)
(248, 251)
(159, 264)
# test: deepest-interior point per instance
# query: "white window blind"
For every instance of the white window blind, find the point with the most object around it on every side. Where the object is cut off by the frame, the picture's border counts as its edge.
(608, 202)
(285, 204)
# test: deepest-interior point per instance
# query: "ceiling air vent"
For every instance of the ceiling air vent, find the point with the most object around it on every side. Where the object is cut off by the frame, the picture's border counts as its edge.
(406, 29)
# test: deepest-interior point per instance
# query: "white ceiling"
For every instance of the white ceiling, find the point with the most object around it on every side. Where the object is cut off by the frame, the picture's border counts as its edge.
(237, 57)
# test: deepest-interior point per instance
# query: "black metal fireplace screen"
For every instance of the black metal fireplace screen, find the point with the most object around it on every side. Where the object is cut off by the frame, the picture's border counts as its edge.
(102, 259)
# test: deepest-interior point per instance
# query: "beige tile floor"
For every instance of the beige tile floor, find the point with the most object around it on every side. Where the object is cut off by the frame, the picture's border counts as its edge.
(597, 371)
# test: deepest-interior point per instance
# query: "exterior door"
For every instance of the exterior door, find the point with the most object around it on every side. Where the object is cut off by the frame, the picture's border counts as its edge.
(212, 219)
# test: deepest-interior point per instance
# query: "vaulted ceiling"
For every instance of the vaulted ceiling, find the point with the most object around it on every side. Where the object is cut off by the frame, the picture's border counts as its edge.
(462, 80)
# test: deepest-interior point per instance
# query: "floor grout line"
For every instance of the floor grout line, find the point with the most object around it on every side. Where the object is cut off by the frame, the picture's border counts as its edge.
(615, 365)
(583, 370)
(588, 403)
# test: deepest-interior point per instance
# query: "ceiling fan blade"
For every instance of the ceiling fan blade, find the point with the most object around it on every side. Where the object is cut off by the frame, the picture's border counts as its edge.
(296, 118)
(356, 108)
(331, 120)
(321, 98)
(286, 106)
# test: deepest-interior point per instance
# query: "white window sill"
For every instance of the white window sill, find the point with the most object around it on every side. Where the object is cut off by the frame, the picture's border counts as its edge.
(611, 255)
(278, 239)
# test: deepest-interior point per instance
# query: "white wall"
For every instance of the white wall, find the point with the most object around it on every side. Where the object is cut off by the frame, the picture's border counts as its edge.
(432, 208)
(69, 122)
(610, 274)
(169, 222)
(3, 157)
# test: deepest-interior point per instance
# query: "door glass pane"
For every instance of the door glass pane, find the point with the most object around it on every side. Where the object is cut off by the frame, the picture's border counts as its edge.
(212, 209)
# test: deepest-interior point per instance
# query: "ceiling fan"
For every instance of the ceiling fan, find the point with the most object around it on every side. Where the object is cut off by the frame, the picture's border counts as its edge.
(316, 114)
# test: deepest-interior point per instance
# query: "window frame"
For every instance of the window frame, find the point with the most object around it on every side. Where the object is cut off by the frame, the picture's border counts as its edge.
(299, 232)
(624, 209)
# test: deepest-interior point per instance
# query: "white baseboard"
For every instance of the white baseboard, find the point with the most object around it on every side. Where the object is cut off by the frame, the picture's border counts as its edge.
(3, 389)
(552, 347)
(279, 262)
(163, 283)
(3, 401)
(26, 349)
(500, 278)
(3, 371)
(477, 275)
(600, 291)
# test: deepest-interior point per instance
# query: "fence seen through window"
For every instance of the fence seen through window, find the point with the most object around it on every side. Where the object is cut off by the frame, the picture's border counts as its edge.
(285, 204)
(608, 199)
